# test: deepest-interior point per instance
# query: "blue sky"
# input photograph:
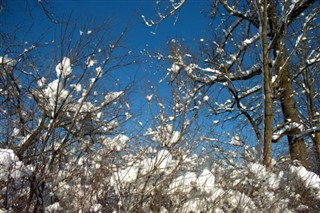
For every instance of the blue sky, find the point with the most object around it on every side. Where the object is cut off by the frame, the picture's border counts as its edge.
(190, 24)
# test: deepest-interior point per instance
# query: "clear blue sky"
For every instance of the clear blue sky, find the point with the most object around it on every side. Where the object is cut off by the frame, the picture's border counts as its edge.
(190, 24)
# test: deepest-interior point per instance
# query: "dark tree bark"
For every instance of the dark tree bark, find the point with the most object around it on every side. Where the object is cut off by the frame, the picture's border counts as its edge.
(297, 147)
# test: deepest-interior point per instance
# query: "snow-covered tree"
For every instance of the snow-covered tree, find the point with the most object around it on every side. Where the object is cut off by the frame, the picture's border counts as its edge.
(69, 139)
(255, 47)
(61, 117)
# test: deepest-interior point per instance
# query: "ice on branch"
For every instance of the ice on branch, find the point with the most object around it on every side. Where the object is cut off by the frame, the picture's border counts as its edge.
(64, 68)
(313, 57)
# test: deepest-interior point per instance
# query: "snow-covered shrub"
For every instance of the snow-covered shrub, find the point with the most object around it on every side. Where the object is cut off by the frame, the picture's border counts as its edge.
(60, 125)
(14, 181)
(164, 186)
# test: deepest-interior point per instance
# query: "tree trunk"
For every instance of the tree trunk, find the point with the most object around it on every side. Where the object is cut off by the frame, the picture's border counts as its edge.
(314, 120)
(316, 141)
(290, 113)
(267, 89)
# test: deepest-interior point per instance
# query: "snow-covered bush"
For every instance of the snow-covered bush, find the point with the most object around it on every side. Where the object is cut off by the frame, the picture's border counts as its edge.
(63, 148)
(60, 126)
(247, 187)
(14, 181)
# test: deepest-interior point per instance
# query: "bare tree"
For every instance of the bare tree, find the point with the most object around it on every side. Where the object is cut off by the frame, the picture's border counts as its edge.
(242, 25)
(58, 110)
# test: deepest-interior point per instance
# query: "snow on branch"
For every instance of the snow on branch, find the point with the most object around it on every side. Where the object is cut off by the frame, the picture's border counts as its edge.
(301, 37)
(313, 57)
(6, 62)
(255, 70)
(209, 75)
(245, 44)
(250, 91)
(307, 132)
(280, 132)
(231, 10)
(175, 6)
(297, 8)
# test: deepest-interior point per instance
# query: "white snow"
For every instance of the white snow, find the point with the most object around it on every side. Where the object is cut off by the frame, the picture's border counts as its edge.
(247, 41)
(7, 62)
(206, 181)
(210, 70)
(146, 22)
(99, 114)
(206, 98)
(64, 68)
(183, 183)
(55, 94)
(111, 96)
(41, 82)
(149, 97)
(235, 141)
(78, 87)
(117, 143)
(99, 72)
(97, 207)
(53, 208)
(90, 61)
(11, 167)
(310, 179)
(175, 137)
(174, 68)
(293, 125)
(128, 115)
